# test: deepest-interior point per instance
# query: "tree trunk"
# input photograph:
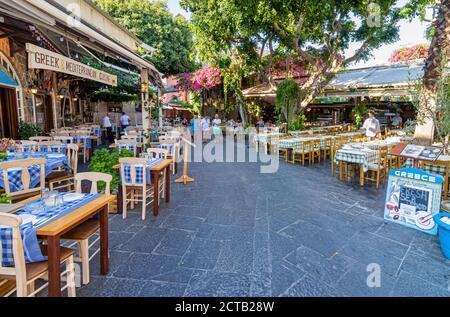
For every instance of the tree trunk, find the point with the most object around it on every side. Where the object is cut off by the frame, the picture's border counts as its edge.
(424, 132)
(242, 110)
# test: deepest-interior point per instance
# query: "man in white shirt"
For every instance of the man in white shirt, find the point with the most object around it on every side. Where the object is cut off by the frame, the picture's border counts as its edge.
(372, 126)
(124, 121)
(107, 125)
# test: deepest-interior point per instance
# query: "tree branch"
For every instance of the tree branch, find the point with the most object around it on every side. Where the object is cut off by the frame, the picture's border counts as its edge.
(358, 53)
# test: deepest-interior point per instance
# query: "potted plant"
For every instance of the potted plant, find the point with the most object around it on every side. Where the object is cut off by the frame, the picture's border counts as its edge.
(5, 198)
(27, 130)
(6, 144)
(103, 161)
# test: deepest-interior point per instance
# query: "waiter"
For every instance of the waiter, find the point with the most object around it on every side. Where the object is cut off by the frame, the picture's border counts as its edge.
(107, 125)
(372, 126)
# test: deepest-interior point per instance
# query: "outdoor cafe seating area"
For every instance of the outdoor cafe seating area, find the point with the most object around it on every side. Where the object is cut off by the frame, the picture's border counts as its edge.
(351, 155)
(61, 214)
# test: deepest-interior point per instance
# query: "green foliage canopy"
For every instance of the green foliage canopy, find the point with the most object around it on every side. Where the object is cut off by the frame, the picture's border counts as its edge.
(152, 22)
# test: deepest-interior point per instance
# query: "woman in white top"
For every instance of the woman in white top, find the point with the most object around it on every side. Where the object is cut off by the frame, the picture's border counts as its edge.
(216, 126)
(205, 128)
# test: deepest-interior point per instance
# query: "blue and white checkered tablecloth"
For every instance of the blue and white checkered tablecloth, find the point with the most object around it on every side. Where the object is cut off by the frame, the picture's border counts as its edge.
(98, 131)
(54, 160)
(360, 156)
(296, 143)
(140, 171)
(82, 140)
(32, 222)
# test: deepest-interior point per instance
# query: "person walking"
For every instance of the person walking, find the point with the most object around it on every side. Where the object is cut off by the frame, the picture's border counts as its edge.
(108, 126)
(372, 126)
(124, 121)
(205, 128)
(217, 131)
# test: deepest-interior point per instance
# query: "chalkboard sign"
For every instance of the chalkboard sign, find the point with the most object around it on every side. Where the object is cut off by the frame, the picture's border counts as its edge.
(412, 198)
(416, 197)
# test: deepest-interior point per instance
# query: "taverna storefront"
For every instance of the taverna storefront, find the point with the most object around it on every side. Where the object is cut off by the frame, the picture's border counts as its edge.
(44, 78)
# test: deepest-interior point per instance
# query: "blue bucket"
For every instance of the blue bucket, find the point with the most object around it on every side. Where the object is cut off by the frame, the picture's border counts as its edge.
(444, 233)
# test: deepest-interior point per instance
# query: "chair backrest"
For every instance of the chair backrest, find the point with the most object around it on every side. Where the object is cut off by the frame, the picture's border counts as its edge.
(27, 146)
(93, 177)
(63, 138)
(129, 168)
(382, 156)
(72, 157)
(128, 144)
(157, 153)
(23, 165)
(19, 268)
(40, 138)
(51, 146)
(133, 137)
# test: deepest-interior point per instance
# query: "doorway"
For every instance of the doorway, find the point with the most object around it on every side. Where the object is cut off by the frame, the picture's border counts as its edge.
(9, 119)
(44, 111)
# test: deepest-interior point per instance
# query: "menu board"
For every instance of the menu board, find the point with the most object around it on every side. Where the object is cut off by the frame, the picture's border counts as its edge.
(413, 197)
(429, 153)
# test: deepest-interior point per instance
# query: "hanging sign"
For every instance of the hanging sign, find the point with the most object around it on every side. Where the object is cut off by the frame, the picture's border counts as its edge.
(412, 198)
(40, 58)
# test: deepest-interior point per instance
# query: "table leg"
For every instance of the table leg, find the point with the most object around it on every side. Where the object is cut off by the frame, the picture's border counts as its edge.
(119, 200)
(168, 183)
(361, 174)
(156, 194)
(104, 240)
(341, 171)
(54, 270)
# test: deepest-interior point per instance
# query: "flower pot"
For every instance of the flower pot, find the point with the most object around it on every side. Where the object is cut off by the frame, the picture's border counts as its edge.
(444, 233)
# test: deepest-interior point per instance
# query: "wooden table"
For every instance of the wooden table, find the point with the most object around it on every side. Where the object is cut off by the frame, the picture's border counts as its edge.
(154, 174)
(53, 231)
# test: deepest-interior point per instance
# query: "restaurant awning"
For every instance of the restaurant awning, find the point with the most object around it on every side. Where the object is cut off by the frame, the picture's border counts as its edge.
(5, 80)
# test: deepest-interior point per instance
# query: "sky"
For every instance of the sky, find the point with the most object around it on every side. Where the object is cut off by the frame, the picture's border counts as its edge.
(410, 33)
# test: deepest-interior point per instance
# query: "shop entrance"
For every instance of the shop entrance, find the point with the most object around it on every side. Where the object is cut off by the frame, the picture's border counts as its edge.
(44, 112)
(8, 113)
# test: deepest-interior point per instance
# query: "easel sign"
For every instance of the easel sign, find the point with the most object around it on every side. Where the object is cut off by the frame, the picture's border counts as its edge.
(412, 198)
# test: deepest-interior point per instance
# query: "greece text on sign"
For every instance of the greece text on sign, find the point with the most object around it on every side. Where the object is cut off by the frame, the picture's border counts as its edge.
(41, 58)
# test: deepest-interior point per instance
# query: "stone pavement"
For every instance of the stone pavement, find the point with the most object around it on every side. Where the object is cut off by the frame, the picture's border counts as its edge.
(298, 232)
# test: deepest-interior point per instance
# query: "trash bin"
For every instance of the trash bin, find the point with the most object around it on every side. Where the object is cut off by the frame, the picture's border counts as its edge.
(444, 233)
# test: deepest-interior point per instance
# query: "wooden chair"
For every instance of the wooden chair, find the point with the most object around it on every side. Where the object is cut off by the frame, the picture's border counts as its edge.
(445, 165)
(65, 179)
(23, 166)
(40, 138)
(82, 233)
(337, 143)
(27, 146)
(327, 144)
(81, 140)
(25, 275)
(66, 139)
(157, 153)
(316, 146)
(174, 150)
(305, 152)
(128, 144)
(50, 146)
(132, 190)
(380, 168)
